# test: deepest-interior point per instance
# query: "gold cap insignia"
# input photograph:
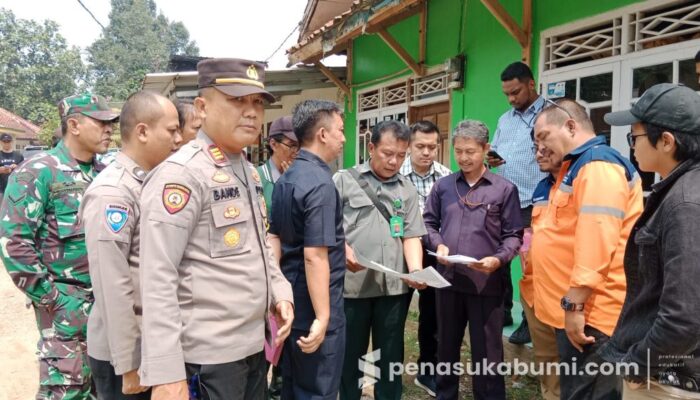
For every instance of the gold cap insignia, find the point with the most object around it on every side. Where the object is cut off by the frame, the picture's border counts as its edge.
(252, 72)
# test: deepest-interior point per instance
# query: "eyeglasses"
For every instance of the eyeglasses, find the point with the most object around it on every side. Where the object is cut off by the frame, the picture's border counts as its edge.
(292, 147)
(555, 105)
(632, 139)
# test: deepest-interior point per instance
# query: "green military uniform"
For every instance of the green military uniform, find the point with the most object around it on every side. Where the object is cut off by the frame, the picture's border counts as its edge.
(375, 301)
(43, 248)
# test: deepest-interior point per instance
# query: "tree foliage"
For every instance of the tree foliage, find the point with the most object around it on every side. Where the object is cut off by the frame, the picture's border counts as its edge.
(37, 67)
(137, 41)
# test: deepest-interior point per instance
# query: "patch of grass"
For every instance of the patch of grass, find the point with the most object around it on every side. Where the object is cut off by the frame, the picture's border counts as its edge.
(526, 388)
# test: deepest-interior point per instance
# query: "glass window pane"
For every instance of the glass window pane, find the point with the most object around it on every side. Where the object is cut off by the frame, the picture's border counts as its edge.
(597, 88)
(600, 127)
(687, 74)
(646, 77)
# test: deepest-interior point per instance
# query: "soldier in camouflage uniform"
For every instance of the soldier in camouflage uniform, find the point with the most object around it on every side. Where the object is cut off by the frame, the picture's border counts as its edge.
(43, 247)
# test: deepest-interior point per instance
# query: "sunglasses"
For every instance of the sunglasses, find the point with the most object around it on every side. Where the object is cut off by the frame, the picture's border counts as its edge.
(553, 104)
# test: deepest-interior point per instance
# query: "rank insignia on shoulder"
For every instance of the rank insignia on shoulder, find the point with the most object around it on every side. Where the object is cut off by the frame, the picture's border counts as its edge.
(232, 212)
(175, 197)
(232, 237)
(117, 216)
(220, 177)
(216, 154)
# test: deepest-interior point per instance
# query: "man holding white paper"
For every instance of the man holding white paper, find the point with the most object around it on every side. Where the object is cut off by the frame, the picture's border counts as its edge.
(382, 222)
(472, 213)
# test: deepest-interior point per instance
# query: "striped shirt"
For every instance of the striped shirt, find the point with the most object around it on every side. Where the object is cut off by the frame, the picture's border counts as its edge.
(512, 141)
(425, 183)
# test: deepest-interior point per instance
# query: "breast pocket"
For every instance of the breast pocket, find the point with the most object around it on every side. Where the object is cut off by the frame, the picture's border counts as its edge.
(564, 209)
(360, 209)
(647, 242)
(66, 213)
(228, 232)
(492, 220)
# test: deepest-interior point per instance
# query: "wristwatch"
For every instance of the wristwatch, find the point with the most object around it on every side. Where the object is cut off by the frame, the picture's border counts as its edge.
(568, 305)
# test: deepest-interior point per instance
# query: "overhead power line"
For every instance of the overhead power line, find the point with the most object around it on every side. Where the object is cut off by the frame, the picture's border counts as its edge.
(282, 44)
(92, 15)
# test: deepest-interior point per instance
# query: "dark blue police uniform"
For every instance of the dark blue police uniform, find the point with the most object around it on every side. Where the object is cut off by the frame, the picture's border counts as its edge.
(307, 212)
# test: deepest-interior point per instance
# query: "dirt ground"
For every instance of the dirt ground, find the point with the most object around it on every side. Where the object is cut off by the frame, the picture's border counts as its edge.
(19, 371)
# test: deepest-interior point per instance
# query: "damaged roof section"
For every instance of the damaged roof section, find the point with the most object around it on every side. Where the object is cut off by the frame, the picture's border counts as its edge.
(333, 37)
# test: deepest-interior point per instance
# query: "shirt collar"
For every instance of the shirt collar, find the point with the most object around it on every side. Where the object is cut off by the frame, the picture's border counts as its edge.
(130, 166)
(488, 176)
(534, 108)
(596, 141)
(365, 168)
(677, 172)
(407, 167)
(313, 158)
(63, 154)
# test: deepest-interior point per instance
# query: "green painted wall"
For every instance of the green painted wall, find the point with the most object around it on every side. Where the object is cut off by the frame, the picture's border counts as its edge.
(463, 26)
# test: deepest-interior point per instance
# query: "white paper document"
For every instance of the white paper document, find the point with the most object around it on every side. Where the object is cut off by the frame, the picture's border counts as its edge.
(456, 258)
(429, 275)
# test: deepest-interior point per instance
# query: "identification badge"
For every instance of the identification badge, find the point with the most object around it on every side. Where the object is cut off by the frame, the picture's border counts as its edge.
(396, 225)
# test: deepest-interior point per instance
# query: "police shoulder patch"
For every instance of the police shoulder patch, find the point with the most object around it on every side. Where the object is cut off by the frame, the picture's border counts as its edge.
(116, 215)
(175, 197)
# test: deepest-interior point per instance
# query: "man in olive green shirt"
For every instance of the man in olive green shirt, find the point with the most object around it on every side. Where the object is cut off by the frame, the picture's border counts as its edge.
(376, 302)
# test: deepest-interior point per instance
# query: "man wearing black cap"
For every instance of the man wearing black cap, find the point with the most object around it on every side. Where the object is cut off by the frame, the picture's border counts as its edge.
(659, 327)
(209, 278)
(284, 146)
(9, 160)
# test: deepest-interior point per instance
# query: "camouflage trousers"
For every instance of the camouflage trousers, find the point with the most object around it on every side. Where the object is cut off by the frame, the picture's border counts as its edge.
(63, 367)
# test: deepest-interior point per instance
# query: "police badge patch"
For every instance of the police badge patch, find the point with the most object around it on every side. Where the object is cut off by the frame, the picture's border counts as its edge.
(117, 216)
(175, 197)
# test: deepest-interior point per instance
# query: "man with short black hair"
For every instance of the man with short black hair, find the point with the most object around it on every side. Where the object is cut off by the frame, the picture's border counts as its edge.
(660, 320)
(306, 231)
(382, 222)
(110, 211)
(9, 160)
(512, 142)
(422, 169)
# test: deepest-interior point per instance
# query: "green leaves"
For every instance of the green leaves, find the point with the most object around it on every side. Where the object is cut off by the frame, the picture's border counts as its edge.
(37, 67)
(137, 41)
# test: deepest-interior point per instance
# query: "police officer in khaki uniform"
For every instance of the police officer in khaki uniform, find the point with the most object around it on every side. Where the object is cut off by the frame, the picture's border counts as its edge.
(387, 230)
(208, 275)
(110, 213)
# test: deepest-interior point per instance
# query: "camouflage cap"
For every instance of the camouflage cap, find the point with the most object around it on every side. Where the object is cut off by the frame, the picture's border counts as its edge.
(88, 104)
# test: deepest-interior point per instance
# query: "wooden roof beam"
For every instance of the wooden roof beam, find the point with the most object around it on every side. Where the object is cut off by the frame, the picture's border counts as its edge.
(331, 76)
(401, 52)
(506, 20)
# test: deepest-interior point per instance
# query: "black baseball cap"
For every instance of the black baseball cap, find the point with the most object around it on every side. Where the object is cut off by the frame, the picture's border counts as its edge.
(5, 137)
(667, 105)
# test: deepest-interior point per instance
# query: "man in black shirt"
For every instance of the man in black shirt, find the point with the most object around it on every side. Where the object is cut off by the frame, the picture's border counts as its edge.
(306, 230)
(9, 160)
